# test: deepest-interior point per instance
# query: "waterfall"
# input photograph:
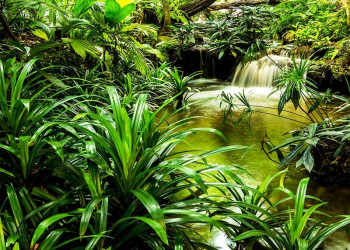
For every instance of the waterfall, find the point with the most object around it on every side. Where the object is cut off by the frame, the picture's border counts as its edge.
(261, 72)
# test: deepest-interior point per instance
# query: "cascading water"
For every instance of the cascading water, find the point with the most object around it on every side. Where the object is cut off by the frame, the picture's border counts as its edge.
(261, 72)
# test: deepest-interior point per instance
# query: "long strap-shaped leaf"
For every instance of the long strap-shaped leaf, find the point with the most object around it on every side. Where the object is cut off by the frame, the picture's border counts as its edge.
(151, 205)
(17, 84)
(45, 224)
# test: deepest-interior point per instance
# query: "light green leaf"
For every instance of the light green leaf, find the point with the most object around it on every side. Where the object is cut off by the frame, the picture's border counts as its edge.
(41, 34)
(124, 12)
(81, 6)
(250, 234)
(112, 8)
(312, 129)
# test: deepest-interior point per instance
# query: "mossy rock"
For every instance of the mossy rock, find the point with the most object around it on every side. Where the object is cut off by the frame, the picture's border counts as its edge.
(330, 74)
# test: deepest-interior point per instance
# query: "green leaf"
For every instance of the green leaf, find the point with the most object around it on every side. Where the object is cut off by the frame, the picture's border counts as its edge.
(104, 215)
(112, 9)
(57, 146)
(85, 218)
(250, 234)
(299, 162)
(12, 239)
(302, 244)
(331, 133)
(6, 172)
(179, 244)
(326, 232)
(2, 237)
(190, 172)
(90, 183)
(20, 81)
(283, 100)
(124, 12)
(158, 228)
(305, 218)
(41, 34)
(51, 240)
(339, 149)
(25, 103)
(288, 142)
(16, 246)
(222, 52)
(78, 48)
(313, 141)
(81, 6)
(308, 159)
(312, 129)
(15, 205)
(315, 105)
(295, 100)
(94, 241)
(45, 224)
(151, 205)
(292, 154)
(81, 47)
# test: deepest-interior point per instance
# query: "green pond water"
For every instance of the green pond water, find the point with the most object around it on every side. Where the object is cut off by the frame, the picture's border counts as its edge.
(255, 161)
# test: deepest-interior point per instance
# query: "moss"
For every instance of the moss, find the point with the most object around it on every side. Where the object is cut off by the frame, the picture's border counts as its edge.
(335, 66)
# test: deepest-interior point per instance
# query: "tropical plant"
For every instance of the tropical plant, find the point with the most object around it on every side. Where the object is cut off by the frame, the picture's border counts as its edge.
(128, 154)
(179, 85)
(297, 227)
(117, 162)
(23, 145)
(186, 35)
(319, 22)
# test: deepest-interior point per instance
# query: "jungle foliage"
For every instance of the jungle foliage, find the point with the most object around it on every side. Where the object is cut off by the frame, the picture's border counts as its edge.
(88, 155)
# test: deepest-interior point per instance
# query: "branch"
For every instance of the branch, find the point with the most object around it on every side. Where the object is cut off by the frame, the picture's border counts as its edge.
(195, 6)
(237, 3)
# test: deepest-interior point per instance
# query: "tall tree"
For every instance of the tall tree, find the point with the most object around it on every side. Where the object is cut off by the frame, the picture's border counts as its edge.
(167, 18)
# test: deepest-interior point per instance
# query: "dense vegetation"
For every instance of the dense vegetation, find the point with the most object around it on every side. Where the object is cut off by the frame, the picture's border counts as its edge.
(87, 149)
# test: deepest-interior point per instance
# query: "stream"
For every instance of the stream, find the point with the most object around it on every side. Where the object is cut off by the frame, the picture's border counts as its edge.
(255, 161)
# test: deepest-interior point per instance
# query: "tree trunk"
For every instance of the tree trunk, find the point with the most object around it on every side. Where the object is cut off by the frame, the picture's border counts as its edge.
(7, 28)
(167, 18)
(194, 6)
(237, 3)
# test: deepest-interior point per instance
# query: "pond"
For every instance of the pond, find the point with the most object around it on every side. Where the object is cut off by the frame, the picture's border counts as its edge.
(255, 161)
